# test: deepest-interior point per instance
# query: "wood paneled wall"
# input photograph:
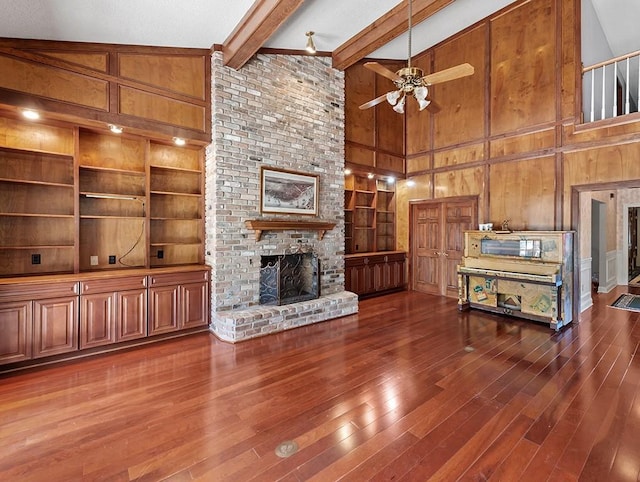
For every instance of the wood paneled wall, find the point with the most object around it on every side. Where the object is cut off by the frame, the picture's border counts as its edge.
(375, 138)
(512, 133)
(152, 89)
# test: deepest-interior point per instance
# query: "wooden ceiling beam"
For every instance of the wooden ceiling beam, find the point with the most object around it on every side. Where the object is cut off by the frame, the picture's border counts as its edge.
(391, 25)
(259, 23)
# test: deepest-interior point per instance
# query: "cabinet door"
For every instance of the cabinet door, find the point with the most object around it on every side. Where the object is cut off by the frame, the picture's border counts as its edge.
(131, 320)
(163, 309)
(359, 277)
(55, 323)
(97, 319)
(397, 274)
(15, 331)
(195, 303)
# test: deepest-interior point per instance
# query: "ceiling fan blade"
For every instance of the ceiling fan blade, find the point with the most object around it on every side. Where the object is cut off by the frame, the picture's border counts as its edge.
(373, 102)
(446, 75)
(379, 69)
(433, 107)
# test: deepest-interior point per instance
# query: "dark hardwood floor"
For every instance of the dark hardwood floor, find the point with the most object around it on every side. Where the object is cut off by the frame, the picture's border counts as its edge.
(408, 389)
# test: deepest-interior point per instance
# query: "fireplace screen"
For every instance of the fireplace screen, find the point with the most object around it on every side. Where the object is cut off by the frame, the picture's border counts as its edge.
(289, 278)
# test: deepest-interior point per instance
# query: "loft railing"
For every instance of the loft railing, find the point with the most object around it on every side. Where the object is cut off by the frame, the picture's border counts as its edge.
(611, 88)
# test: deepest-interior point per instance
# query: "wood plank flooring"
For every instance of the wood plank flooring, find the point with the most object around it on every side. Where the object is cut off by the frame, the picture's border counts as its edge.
(409, 389)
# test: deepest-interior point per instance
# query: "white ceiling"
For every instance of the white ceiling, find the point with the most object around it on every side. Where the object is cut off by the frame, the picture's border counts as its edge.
(202, 23)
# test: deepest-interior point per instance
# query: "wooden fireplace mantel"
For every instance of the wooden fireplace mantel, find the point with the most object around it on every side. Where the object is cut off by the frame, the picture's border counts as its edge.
(260, 225)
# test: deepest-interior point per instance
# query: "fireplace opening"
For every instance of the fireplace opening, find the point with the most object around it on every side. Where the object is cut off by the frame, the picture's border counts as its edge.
(289, 278)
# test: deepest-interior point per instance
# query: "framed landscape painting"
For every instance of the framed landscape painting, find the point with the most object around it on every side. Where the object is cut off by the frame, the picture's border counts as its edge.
(288, 192)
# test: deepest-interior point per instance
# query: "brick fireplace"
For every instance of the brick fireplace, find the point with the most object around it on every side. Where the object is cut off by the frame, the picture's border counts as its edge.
(281, 111)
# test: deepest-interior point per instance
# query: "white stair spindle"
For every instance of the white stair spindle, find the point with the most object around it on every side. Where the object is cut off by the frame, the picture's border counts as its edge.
(627, 106)
(593, 89)
(614, 112)
(604, 99)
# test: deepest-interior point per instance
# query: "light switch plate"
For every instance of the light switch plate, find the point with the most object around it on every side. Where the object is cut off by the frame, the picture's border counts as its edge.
(94, 261)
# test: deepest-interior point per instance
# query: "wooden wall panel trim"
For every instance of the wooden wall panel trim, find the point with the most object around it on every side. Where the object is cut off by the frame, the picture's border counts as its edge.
(159, 108)
(359, 155)
(523, 191)
(459, 155)
(36, 137)
(464, 118)
(462, 182)
(419, 125)
(96, 61)
(50, 56)
(361, 85)
(53, 83)
(523, 68)
(421, 163)
(386, 162)
(391, 138)
(523, 143)
(178, 74)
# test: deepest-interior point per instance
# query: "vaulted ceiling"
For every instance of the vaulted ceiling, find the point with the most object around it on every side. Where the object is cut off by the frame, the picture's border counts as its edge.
(348, 29)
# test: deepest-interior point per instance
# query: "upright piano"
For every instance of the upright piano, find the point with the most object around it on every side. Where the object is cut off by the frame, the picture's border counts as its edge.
(527, 274)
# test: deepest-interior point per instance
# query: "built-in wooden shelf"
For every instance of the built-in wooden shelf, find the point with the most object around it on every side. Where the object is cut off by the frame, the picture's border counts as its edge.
(260, 225)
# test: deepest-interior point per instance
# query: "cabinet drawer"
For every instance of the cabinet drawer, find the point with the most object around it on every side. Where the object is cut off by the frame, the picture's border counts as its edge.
(37, 291)
(112, 284)
(166, 279)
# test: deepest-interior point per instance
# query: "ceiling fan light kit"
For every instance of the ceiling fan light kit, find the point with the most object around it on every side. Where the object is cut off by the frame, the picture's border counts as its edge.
(412, 81)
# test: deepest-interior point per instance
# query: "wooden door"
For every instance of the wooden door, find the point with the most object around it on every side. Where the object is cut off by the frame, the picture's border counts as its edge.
(426, 221)
(459, 216)
(437, 243)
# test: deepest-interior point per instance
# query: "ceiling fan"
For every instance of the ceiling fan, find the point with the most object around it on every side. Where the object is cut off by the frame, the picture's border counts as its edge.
(412, 81)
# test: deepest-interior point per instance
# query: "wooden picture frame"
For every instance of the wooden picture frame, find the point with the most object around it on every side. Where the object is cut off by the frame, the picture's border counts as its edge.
(288, 192)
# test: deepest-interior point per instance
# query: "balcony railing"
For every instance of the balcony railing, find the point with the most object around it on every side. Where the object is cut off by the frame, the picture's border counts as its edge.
(611, 88)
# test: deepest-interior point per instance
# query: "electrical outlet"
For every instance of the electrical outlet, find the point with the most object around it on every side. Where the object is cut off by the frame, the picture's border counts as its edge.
(94, 261)
(35, 259)
(112, 259)
(160, 254)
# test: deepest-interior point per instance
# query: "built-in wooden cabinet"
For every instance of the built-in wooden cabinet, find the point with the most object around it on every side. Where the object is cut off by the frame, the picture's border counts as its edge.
(178, 301)
(36, 212)
(372, 274)
(371, 264)
(176, 205)
(111, 202)
(112, 186)
(369, 214)
(385, 216)
(43, 316)
(112, 310)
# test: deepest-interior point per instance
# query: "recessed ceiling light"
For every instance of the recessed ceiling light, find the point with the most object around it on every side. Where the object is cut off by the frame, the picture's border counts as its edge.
(179, 141)
(347, 172)
(391, 180)
(30, 114)
(411, 183)
(115, 129)
(370, 176)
